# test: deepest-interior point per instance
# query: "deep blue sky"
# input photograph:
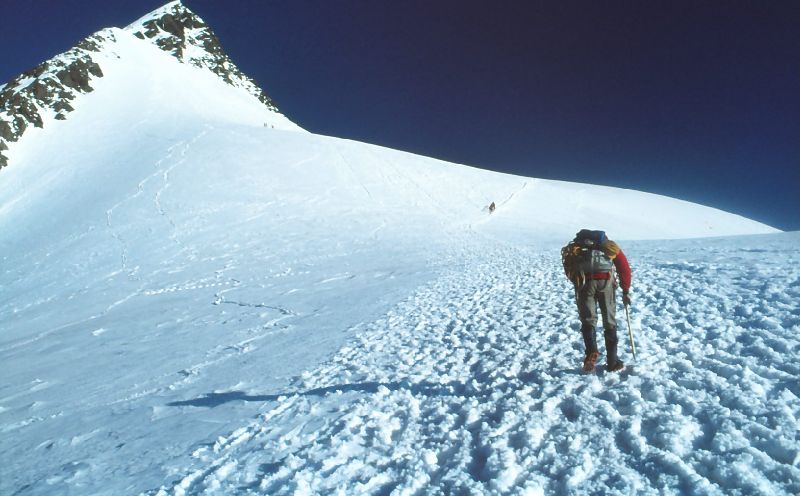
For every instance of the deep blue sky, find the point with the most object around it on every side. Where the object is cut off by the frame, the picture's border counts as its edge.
(699, 100)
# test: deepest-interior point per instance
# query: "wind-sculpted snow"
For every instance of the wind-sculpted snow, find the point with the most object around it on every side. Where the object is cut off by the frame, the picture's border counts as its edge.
(471, 386)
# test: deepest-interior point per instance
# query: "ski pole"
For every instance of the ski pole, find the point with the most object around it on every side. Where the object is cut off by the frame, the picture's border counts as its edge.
(630, 331)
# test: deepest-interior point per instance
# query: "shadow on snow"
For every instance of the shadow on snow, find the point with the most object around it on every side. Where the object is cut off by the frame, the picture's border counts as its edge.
(211, 400)
(475, 388)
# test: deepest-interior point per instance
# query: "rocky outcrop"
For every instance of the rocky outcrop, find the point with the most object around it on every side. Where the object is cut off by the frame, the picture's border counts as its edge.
(48, 88)
(51, 87)
(178, 31)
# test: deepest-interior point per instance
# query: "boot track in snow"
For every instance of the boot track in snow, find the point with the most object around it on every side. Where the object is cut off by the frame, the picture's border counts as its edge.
(473, 385)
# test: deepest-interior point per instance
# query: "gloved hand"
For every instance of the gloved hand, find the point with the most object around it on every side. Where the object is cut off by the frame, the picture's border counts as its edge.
(626, 299)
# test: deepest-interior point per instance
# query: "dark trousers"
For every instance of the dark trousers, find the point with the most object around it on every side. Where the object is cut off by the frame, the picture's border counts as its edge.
(592, 294)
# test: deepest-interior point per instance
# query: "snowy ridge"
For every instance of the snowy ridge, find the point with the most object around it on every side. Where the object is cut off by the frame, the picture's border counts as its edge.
(46, 91)
(177, 30)
(49, 91)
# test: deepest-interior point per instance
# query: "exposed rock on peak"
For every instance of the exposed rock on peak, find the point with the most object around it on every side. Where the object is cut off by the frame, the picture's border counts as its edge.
(49, 88)
(180, 32)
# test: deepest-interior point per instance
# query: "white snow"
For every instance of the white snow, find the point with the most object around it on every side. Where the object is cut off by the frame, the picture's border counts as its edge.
(167, 8)
(684, 418)
(194, 303)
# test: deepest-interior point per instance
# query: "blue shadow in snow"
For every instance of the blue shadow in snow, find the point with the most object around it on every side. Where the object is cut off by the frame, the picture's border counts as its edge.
(212, 400)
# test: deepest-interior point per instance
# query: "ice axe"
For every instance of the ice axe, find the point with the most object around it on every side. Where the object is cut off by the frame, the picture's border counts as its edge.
(630, 331)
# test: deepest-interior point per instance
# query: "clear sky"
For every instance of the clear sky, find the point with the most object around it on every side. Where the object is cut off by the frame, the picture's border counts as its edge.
(695, 100)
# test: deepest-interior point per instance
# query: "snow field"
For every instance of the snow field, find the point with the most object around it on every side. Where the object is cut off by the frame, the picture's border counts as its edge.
(179, 260)
(201, 271)
(472, 386)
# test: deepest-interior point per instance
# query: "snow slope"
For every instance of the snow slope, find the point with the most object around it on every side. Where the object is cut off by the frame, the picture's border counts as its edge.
(51, 90)
(472, 386)
(197, 295)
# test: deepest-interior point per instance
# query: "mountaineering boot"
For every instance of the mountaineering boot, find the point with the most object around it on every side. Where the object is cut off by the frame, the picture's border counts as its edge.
(589, 339)
(610, 336)
(590, 361)
(616, 367)
(591, 348)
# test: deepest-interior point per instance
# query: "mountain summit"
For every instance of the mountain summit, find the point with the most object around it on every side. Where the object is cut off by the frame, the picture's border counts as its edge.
(180, 32)
(49, 91)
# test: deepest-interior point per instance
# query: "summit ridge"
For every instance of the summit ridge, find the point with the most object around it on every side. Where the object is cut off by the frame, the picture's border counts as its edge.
(49, 90)
(182, 33)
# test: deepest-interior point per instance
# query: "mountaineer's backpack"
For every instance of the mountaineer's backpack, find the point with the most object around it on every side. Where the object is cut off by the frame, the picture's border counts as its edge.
(590, 252)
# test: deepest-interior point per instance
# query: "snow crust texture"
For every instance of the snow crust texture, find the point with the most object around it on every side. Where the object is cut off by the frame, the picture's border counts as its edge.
(471, 386)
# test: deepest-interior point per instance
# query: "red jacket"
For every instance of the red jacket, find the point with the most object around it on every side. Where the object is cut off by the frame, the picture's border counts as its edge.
(624, 271)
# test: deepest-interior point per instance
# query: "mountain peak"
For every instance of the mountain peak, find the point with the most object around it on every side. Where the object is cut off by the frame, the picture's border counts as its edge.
(182, 33)
(50, 88)
(173, 7)
(171, 27)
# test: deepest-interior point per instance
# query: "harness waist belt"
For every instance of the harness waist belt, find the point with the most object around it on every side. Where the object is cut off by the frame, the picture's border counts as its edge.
(599, 275)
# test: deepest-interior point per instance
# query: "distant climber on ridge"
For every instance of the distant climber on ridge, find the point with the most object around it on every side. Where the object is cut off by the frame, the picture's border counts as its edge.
(492, 207)
(591, 262)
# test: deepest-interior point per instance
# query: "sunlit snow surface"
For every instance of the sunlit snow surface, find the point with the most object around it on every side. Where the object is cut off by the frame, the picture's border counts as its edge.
(471, 386)
(198, 297)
